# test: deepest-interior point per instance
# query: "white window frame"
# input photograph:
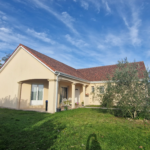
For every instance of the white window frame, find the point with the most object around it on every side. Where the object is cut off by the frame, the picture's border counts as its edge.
(92, 89)
(36, 101)
(100, 90)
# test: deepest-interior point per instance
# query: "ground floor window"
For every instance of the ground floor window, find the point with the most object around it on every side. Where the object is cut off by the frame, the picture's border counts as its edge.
(101, 89)
(92, 89)
(37, 94)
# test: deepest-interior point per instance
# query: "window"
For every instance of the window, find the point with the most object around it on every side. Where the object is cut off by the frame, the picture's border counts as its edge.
(37, 92)
(92, 89)
(64, 93)
(101, 89)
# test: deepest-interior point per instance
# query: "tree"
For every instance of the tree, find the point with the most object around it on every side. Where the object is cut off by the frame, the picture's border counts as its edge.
(0, 64)
(4, 59)
(129, 91)
(105, 97)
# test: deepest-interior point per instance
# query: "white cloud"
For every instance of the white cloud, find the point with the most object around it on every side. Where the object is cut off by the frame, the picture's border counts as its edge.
(64, 18)
(2, 17)
(101, 46)
(125, 21)
(114, 40)
(5, 29)
(20, 1)
(107, 7)
(40, 35)
(96, 3)
(84, 4)
(2, 13)
(132, 22)
(67, 17)
(78, 43)
(93, 19)
(11, 37)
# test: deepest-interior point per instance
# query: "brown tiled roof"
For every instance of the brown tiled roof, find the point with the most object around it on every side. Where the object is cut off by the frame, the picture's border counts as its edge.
(54, 64)
(91, 74)
(101, 73)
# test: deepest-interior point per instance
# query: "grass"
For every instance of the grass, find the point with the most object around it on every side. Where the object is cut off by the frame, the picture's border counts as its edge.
(93, 105)
(85, 129)
(99, 106)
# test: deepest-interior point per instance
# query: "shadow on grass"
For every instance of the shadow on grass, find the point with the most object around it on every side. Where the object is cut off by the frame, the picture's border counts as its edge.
(92, 143)
(28, 130)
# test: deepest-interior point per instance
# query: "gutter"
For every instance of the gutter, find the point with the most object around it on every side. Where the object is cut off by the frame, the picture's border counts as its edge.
(72, 77)
(79, 79)
(57, 91)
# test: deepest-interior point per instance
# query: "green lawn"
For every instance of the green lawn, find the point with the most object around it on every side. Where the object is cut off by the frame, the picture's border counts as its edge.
(99, 106)
(90, 129)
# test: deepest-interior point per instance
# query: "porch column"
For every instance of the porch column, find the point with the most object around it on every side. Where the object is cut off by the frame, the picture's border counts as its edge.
(59, 89)
(84, 95)
(73, 95)
(19, 94)
(51, 96)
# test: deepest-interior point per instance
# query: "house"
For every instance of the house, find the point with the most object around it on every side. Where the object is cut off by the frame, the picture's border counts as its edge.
(29, 78)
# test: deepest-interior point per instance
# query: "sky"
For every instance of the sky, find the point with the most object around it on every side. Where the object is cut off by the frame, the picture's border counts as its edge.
(79, 33)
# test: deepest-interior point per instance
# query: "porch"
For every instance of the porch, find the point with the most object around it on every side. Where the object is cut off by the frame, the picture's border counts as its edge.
(32, 94)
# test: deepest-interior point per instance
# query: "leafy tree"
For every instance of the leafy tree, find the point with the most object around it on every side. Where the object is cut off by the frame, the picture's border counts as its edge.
(108, 97)
(0, 63)
(127, 89)
(4, 59)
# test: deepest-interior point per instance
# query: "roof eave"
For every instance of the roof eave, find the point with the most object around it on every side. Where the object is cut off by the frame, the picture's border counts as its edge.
(71, 77)
(20, 46)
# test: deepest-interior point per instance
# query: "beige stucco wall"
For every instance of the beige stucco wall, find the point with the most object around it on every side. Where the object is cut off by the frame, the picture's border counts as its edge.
(80, 87)
(26, 93)
(20, 68)
(91, 100)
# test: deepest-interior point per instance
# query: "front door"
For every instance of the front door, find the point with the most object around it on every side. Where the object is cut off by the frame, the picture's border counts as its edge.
(77, 95)
(37, 94)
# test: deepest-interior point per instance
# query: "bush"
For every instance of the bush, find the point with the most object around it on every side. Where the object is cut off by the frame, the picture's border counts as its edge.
(128, 90)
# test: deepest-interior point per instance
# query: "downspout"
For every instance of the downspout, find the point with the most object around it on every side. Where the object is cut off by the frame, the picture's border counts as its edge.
(57, 91)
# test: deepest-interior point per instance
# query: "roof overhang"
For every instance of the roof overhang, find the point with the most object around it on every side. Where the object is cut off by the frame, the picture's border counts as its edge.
(55, 72)
(15, 52)
(71, 77)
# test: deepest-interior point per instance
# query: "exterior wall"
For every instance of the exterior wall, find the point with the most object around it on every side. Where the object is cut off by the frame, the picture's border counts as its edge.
(26, 93)
(20, 68)
(81, 92)
(94, 101)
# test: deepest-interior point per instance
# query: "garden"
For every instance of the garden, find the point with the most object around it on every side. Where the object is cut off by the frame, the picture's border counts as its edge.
(81, 128)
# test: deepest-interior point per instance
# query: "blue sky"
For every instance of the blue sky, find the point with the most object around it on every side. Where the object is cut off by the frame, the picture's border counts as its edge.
(80, 33)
